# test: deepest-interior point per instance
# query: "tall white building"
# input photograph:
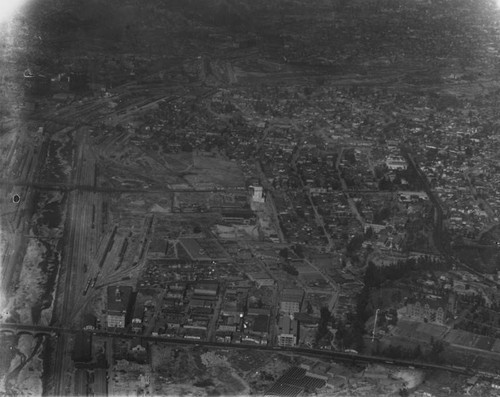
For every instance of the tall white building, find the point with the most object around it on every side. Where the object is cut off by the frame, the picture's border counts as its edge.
(118, 306)
(258, 194)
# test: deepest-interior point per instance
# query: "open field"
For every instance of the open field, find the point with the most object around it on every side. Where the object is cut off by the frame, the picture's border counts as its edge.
(419, 331)
(221, 172)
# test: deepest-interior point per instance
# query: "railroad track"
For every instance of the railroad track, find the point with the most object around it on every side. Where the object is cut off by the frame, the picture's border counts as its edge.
(73, 245)
(327, 354)
(61, 342)
(104, 189)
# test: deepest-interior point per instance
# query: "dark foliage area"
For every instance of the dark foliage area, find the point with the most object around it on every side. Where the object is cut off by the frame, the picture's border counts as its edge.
(376, 276)
(432, 354)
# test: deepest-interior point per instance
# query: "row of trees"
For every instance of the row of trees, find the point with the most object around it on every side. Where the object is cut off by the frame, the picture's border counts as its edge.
(376, 276)
(348, 335)
(373, 279)
(431, 354)
(326, 319)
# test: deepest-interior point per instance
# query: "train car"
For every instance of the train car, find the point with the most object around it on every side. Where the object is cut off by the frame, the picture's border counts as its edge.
(87, 287)
(94, 280)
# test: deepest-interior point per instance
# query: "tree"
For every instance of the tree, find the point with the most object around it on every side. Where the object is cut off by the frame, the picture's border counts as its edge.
(381, 215)
(299, 250)
(384, 184)
(290, 269)
(341, 331)
(437, 347)
(396, 296)
(362, 314)
(325, 317)
(284, 253)
(417, 352)
(186, 147)
(372, 275)
(355, 243)
(350, 156)
(381, 170)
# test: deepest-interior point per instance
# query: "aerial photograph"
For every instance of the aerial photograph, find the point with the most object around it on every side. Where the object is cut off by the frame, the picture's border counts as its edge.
(250, 198)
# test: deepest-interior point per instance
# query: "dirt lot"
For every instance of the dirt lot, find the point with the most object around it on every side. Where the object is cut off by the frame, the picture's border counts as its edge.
(129, 379)
(200, 371)
(30, 290)
(443, 383)
(259, 369)
(21, 371)
(215, 170)
(419, 331)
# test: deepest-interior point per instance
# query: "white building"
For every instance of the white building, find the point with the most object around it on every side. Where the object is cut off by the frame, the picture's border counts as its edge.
(258, 194)
(396, 163)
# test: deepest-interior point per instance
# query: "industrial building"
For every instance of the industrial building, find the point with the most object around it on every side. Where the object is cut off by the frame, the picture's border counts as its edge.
(118, 306)
(288, 331)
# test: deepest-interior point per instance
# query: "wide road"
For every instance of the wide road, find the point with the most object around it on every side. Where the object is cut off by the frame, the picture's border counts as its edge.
(339, 356)
(104, 189)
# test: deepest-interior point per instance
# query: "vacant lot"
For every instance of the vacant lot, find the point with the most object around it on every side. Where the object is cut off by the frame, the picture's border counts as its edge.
(208, 170)
(419, 331)
(205, 372)
(462, 338)
(496, 346)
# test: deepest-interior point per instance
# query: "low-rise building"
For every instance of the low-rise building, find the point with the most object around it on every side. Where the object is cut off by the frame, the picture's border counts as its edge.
(406, 197)
(82, 349)
(138, 350)
(137, 317)
(291, 300)
(209, 288)
(396, 163)
(89, 322)
(261, 279)
(258, 194)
